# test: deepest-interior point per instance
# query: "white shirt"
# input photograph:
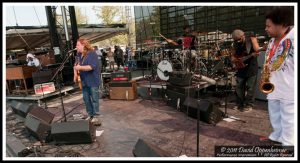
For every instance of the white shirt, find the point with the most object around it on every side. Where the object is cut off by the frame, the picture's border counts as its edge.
(283, 77)
(35, 62)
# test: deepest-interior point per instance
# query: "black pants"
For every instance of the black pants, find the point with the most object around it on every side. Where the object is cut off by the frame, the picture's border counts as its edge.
(119, 62)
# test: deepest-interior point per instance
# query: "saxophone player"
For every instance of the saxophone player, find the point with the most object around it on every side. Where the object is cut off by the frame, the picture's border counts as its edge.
(280, 64)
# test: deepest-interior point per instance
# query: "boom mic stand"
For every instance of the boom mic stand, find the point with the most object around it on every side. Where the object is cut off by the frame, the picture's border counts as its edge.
(59, 84)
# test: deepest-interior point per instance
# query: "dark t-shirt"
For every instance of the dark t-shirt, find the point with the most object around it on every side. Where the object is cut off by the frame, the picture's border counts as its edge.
(251, 67)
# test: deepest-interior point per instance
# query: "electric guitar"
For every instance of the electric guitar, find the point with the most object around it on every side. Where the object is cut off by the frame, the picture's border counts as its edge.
(239, 63)
(78, 76)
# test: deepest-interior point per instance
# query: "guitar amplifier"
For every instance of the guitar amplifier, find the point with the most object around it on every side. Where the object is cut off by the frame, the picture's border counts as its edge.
(123, 90)
(121, 76)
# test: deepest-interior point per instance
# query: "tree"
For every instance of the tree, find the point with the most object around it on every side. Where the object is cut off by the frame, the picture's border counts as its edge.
(112, 15)
(80, 18)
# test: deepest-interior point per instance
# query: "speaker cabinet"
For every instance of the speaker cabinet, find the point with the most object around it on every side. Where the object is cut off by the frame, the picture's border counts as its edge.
(37, 128)
(208, 112)
(42, 114)
(123, 90)
(14, 147)
(22, 108)
(143, 148)
(73, 132)
(177, 94)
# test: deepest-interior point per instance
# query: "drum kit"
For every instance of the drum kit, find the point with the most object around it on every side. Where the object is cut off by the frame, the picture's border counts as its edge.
(202, 60)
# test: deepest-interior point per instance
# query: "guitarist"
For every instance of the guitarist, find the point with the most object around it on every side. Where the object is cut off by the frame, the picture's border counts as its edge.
(245, 46)
(89, 68)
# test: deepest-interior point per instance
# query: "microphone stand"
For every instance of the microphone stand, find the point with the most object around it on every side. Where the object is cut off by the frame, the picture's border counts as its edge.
(59, 84)
(226, 98)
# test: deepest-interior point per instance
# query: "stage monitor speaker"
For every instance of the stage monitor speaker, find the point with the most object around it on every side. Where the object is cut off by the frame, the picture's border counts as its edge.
(22, 108)
(208, 112)
(37, 128)
(73, 132)
(42, 114)
(14, 147)
(176, 95)
(145, 149)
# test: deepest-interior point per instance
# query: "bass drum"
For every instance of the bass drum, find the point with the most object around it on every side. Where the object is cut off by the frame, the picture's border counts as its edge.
(165, 67)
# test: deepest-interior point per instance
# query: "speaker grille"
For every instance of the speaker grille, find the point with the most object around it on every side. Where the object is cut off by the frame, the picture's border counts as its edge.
(42, 114)
(73, 132)
(36, 127)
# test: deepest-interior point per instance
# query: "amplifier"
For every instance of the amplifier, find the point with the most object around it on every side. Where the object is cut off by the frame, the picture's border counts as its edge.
(123, 90)
(45, 88)
(121, 84)
(121, 76)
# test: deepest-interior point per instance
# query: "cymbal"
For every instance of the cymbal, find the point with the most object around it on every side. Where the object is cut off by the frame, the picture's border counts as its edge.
(151, 43)
(202, 33)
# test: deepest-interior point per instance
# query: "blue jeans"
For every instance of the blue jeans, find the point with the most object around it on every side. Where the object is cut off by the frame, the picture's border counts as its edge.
(91, 99)
(245, 91)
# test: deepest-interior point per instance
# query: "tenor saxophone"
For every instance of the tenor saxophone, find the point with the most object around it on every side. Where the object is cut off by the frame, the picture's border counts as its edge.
(265, 85)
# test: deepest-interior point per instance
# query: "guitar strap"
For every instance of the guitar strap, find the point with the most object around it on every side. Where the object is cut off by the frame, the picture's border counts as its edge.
(248, 44)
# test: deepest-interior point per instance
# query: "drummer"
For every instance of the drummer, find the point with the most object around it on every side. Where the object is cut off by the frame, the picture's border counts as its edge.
(188, 41)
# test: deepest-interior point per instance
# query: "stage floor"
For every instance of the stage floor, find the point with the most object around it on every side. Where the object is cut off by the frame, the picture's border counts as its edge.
(123, 122)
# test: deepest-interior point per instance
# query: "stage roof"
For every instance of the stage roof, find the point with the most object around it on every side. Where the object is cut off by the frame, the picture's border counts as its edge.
(20, 37)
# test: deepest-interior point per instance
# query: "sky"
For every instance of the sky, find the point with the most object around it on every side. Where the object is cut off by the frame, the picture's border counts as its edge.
(36, 15)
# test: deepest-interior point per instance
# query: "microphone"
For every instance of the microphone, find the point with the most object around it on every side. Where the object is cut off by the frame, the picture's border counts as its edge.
(72, 50)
